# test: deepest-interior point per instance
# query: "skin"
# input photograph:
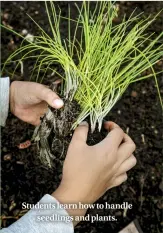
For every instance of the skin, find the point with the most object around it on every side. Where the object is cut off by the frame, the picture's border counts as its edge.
(29, 101)
(88, 171)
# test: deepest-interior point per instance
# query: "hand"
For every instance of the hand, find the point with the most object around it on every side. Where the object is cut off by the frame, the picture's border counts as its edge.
(89, 171)
(29, 101)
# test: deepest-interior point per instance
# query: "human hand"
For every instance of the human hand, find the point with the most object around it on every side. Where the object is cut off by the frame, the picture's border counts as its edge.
(29, 100)
(89, 171)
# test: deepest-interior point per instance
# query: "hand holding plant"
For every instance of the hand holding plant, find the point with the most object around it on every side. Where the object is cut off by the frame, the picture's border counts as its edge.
(89, 171)
(29, 101)
(100, 63)
(97, 61)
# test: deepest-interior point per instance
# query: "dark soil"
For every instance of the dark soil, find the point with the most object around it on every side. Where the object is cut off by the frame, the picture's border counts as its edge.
(25, 179)
(54, 133)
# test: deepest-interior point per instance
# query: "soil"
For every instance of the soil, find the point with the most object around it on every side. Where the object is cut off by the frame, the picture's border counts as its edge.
(25, 179)
(54, 133)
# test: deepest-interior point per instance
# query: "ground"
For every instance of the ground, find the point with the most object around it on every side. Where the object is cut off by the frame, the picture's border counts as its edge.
(25, 179)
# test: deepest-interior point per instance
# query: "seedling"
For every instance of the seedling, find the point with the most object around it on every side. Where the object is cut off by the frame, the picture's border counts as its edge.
(99, 60)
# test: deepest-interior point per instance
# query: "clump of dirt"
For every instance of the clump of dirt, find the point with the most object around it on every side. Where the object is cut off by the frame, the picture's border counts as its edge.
(54, 133)
(64, 119)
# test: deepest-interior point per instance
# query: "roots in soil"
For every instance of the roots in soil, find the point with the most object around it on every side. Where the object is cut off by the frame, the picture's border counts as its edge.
(54, 133)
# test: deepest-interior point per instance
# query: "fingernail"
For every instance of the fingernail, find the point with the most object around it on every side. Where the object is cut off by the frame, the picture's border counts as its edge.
(58, 103)
(84, 123)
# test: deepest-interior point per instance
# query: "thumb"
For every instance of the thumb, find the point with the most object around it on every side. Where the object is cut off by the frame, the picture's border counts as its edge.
(50, 97)
(81, 132)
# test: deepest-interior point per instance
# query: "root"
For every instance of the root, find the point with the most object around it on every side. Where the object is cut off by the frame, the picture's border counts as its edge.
(53, 135)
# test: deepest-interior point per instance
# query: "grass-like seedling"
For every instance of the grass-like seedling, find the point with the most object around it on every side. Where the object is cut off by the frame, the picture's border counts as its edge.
(100, 59)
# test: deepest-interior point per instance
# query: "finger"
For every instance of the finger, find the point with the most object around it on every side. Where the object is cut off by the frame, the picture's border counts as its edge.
(110, 125)
(126, 148)
(58, 81)
(127, 165)
(41, 108)
(55, 84)
(115, 136)
(46, 94)
(44, 110)
(81, 132)
(38, 110)
(120, 179)
(33, 120)
(36, 122)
